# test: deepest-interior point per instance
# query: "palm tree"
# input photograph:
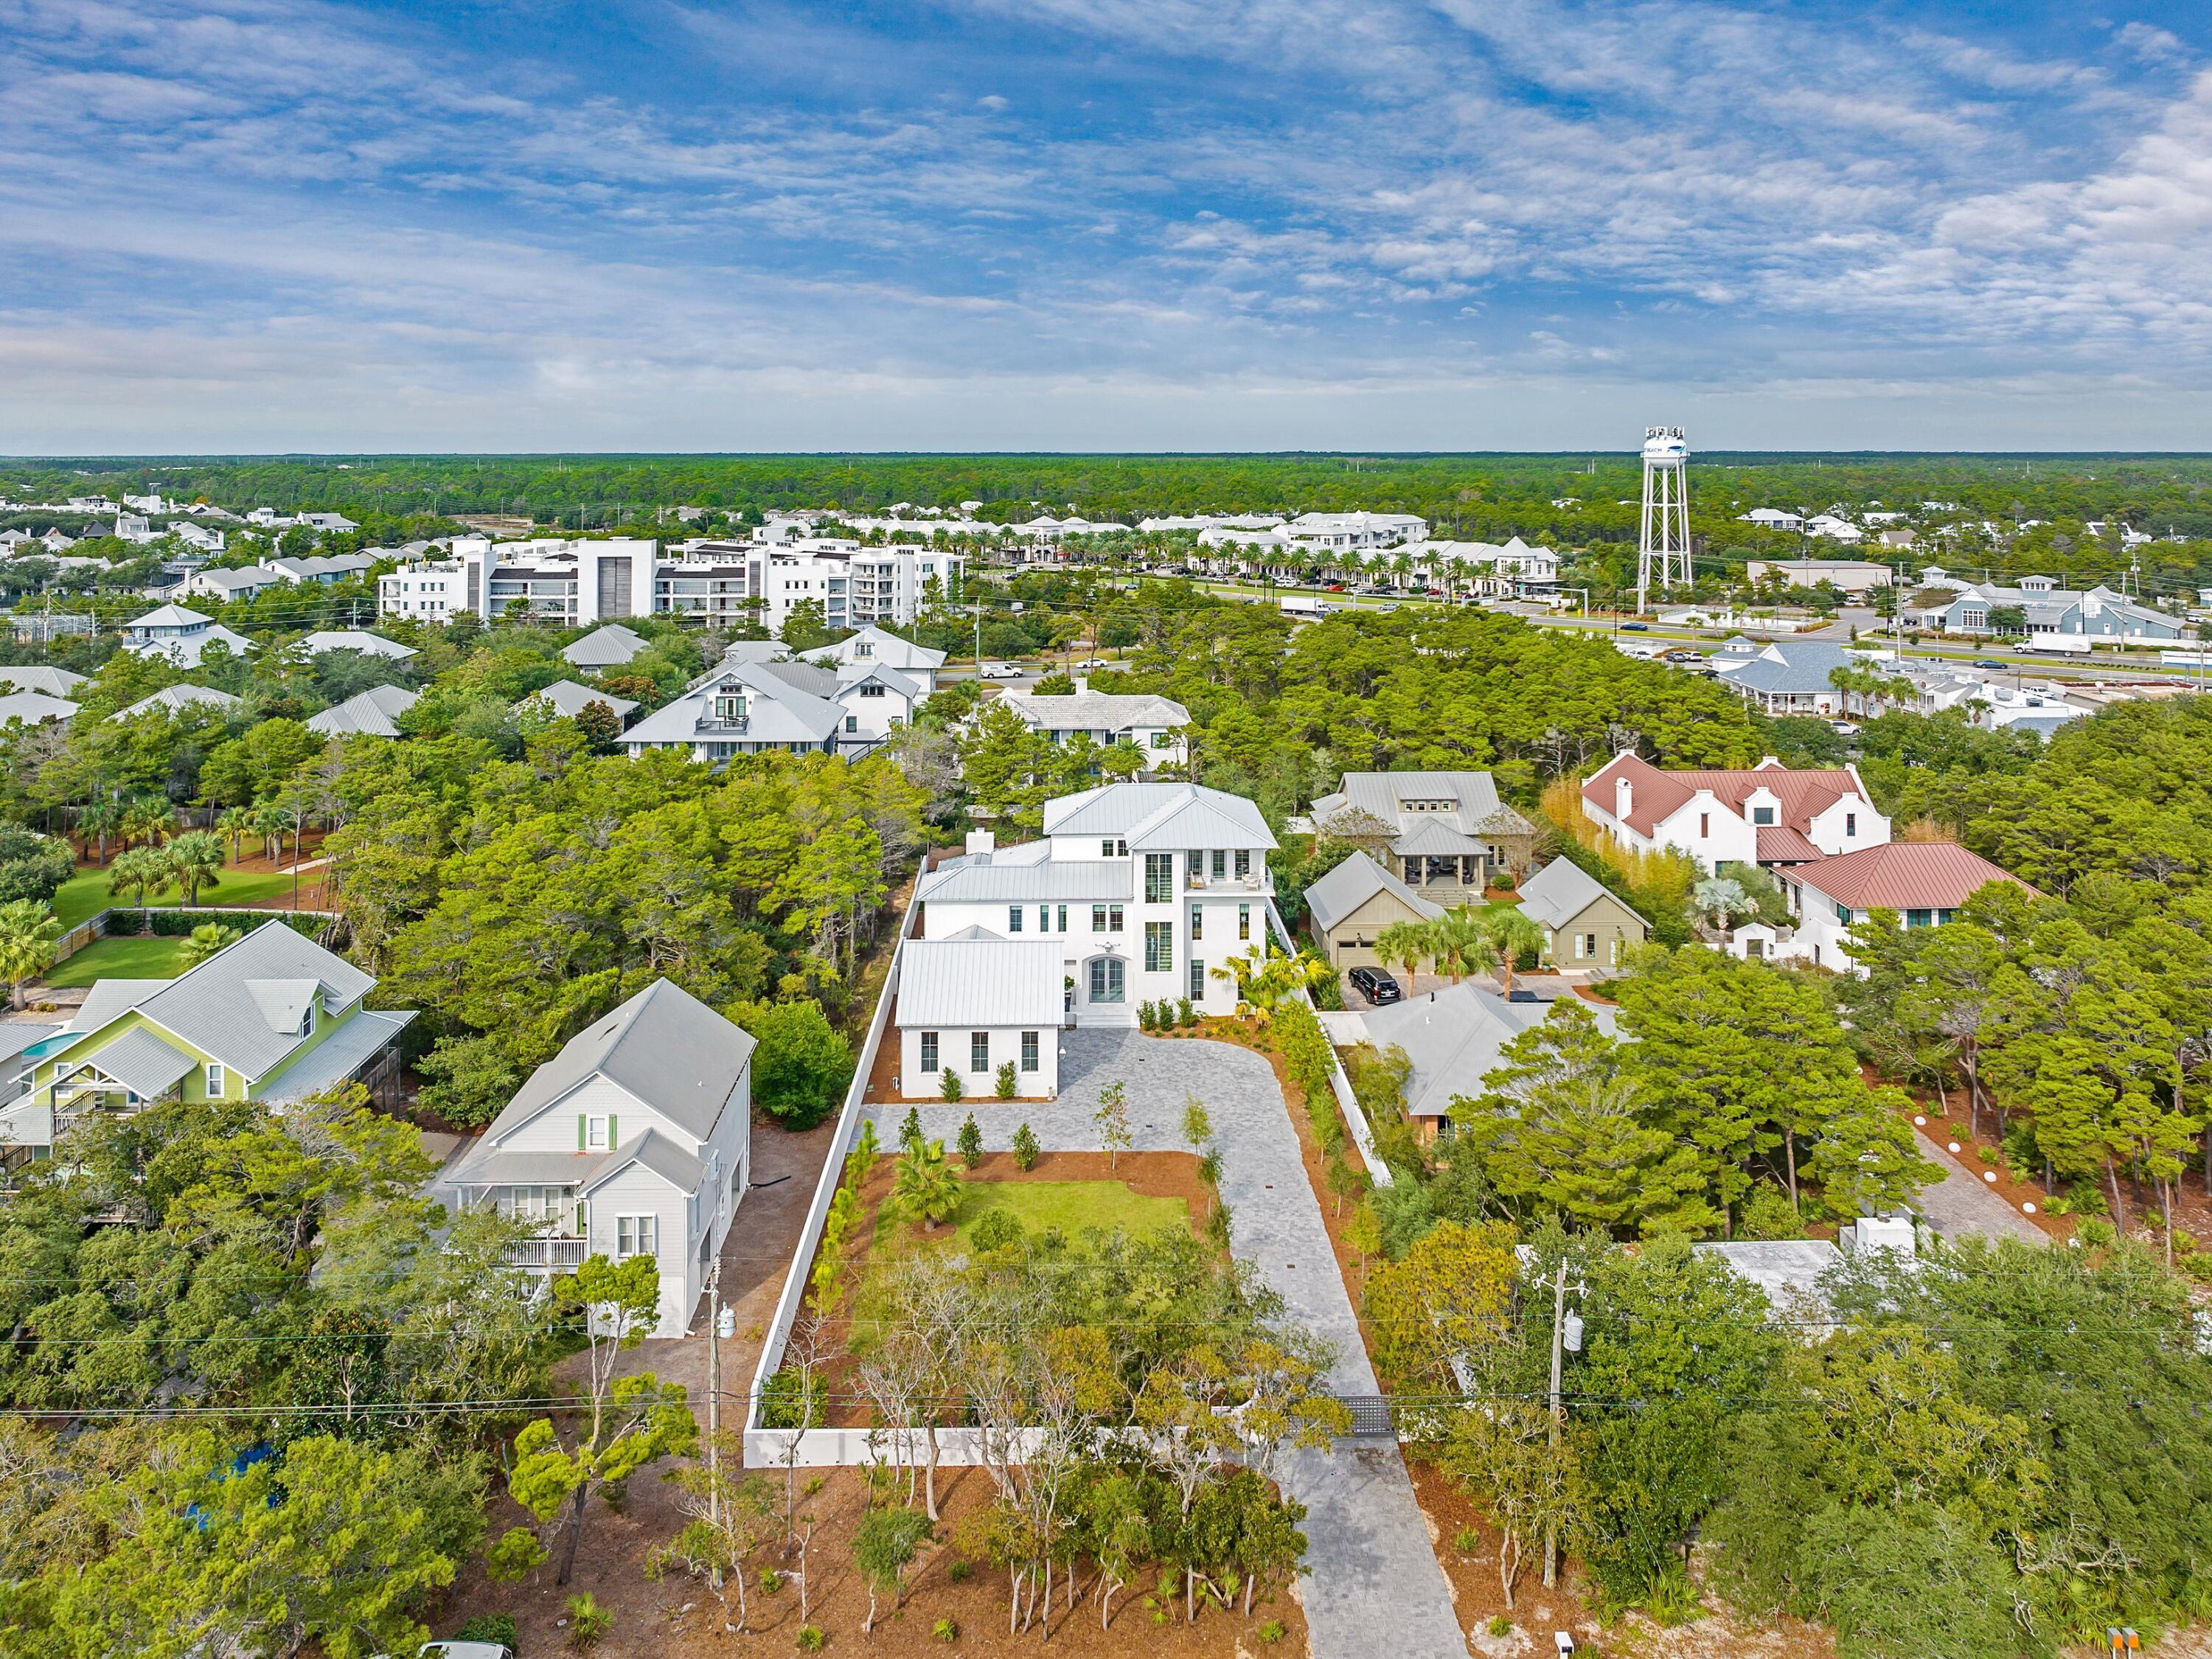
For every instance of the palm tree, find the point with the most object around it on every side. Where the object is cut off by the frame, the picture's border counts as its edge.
(138, 868)
(27, 931)
(98, 819)
(1459, 945)
(927, 1186)
(269, 823)
(1510, 933)
(146, 816)
(196, 858)
(234, 822)
(1406, 943)
(206, 939)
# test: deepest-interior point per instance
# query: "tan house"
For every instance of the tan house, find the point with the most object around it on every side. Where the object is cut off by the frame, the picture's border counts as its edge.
(1448, 831)
(1585, 924)
(1354, 902)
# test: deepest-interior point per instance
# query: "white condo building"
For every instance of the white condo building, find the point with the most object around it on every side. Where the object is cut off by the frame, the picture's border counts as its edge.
(722, 583)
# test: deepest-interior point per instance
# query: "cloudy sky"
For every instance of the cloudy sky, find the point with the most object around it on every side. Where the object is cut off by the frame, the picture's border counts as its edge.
(1136, 224)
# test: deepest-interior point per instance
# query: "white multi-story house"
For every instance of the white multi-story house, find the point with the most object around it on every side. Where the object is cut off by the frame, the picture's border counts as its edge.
(635, 1139)
(741, 707)
(972, 1004)
(1925, 883)
(1327, 532)
(426, 590)
(179, 634)
(873, 647)
(1146, 888)
(876, 699)
(1152, 726)
(1769, 815)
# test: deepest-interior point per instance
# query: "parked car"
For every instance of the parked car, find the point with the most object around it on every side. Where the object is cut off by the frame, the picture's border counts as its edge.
(1843, 729)
(1376, 985)
(1089, 662)
(1001, 671)
(1522, 994)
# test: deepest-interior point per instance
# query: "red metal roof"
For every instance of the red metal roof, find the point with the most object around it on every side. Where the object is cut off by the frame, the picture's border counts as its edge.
(1780, 845)
(1654, 794)
(1905, 875)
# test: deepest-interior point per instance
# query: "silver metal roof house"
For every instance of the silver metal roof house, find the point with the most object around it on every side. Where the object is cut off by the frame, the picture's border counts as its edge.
(566, 699)
(609, 647)
(369, 714)
(1160, 816)
(1352, 883)
(980, 983)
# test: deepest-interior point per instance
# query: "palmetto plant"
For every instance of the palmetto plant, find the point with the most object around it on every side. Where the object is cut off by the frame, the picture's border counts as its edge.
(1459, 945)
(234, 822)
(27, 932)
(1406, 943)
(147, 817)
(1510, 934)
(98, 820)
(197, 857)
(137, 869)
(928, 1186)
(1265, 981)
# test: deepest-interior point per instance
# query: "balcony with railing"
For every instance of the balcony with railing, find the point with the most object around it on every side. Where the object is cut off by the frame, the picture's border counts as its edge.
(549, 1252)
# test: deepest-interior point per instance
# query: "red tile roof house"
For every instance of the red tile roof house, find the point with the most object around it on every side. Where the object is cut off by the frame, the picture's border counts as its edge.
(1769, 815)
(1923, 882)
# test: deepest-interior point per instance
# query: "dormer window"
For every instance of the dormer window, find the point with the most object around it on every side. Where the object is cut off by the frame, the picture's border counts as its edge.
(1762, 815)
(730, 708)
(864, 647)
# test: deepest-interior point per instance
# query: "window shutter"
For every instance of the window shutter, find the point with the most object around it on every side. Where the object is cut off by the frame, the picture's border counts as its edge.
(614, 1134)
(579, 1131)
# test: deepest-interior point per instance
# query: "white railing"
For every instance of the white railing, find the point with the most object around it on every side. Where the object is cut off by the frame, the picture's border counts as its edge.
(766, 1446)
(546, 1253)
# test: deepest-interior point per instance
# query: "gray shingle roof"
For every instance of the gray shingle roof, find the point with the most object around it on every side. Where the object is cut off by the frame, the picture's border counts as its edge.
(142, 1062)
(979, 982)
(1562, 891)
(338, 1055)
(1453, 1036)
(217, 1009)
(678, 1168)
(605, 647)
(664, 1045)
(1357, 880)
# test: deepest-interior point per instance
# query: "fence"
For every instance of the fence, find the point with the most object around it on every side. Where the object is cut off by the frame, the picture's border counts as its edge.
(1339, 1084)
(94, 928)
(767, 1446)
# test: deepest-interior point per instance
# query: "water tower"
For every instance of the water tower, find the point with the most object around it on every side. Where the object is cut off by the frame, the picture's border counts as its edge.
(1663, 539)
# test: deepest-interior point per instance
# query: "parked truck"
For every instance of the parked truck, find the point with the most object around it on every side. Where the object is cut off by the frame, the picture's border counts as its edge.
(1303, 604)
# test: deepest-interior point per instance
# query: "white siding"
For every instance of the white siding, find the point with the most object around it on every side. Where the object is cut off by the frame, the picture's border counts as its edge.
(638, 1191)
(554, 1129)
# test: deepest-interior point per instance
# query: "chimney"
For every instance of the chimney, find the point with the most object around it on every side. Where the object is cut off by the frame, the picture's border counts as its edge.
(1624, 797)
(981, 843)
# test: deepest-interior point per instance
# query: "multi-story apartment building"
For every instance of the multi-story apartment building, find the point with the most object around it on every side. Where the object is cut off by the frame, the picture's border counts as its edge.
(718, 584)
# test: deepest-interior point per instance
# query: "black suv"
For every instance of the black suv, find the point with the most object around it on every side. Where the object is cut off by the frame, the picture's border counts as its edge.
(1376, 986)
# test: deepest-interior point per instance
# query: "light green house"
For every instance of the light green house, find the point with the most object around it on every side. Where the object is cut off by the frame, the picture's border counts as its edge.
(273, 1016)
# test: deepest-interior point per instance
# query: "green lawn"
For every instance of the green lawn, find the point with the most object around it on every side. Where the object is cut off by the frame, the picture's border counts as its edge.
(85, 895)
(135, 956)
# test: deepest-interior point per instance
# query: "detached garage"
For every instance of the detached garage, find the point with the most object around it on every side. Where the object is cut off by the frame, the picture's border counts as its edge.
(973, 1004)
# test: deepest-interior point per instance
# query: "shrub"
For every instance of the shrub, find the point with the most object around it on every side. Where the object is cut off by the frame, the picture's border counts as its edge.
(803, 1065)
(1271, 1632)
(771, 1580)
(1148, 1018)
(811, 1638)
(1500, 1625)
(1767, 1214)
(2095, 1233)
(1186, 1014)
(958, 1571)
(1026, 1147)
(588, 1622)
(1006, 1081)
(1467, 1541)
(945, 1630)
(970, 1143)
(995, 1229)
(948, 1084)
(498, 1627)
(1988, 1154)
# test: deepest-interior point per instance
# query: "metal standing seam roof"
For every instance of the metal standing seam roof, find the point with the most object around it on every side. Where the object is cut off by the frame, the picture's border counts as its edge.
(179, 697)
(1778, 843)
(1479, 810)
(1097, 711)
(858, 673)
(1352, 883)
(106, 999)
(338, 1055)
(1793, 666)
(1654, 795)
(34, 707)
(978, 881)
(778, 712)
(605, 647)
(54, 681)
(1160, 815)
(1562, 891)
(169, 616)
(1904, 875)
(568, 698)
(1433, 837)
(884, 647)
(980, 983)
(664, 1045)
(368, 714)
(219, 1007)
(354, 639)
(810, 677)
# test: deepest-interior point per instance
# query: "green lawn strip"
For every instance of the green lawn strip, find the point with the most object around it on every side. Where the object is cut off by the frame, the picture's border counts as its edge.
(85, 895)
(1070, 1206)
(145, 956)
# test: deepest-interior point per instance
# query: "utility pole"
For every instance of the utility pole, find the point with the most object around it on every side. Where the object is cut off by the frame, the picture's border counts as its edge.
(714, 1394)
(1559, 1345)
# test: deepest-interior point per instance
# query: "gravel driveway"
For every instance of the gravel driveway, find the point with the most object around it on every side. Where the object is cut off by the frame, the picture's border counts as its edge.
(1374, 1578)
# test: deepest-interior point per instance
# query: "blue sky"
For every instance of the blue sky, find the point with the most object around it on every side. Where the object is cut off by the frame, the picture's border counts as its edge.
(1131, 224)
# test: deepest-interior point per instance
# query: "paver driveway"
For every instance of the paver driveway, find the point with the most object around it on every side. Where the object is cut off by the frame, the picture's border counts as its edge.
(1376, 1583)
